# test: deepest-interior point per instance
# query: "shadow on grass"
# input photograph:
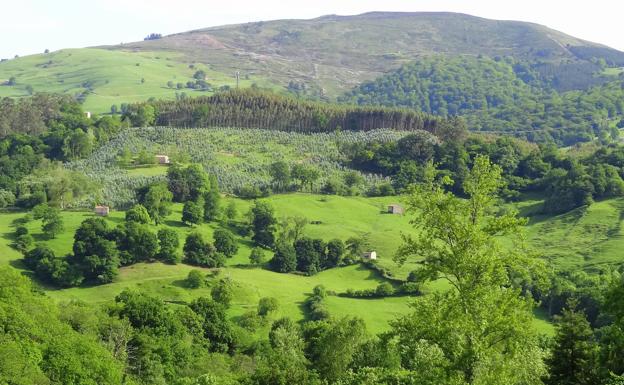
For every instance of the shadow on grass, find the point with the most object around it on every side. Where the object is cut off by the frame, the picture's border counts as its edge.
(19, 265)
(372, 273)
(181, 283)
(172, 223)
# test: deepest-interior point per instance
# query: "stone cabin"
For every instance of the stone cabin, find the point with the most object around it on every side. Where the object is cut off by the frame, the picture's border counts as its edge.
(395, 209)
(370, 255)
(101, 210)
(162, 159)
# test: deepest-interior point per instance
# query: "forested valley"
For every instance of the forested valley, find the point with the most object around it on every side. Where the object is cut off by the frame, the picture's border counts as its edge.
(444, 212)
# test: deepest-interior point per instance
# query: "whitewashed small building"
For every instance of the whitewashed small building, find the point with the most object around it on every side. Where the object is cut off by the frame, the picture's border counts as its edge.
(162, 159)
(370, 255)
(101, 210)
(395, 209)
(88, 114)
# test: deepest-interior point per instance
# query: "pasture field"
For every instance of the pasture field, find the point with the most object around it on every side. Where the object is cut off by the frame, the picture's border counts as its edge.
(339, 217)
(110, 77)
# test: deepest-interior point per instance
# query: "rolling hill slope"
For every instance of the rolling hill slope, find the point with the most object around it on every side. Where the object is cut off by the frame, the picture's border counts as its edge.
(319, 57)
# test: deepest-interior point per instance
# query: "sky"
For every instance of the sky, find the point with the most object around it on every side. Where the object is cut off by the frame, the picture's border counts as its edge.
(31, 26)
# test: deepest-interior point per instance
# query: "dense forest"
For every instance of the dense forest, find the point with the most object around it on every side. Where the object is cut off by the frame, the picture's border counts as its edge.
(504, 95)
(259, 109)
(566, 180)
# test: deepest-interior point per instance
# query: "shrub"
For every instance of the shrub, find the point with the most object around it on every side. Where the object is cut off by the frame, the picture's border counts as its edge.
(267, 305)
(138, 213)
(194, 279)
(223, 292)
(384, 289)
(257, 256)
(250, 320)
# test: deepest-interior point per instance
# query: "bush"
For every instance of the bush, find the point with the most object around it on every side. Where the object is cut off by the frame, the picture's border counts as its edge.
(223, 292)
(257, 256)
(384, 289)
(194, 279)
(250, 320)
(6, 198)
(138, 213)
(409, 288)
(267, 305)
(23, 242)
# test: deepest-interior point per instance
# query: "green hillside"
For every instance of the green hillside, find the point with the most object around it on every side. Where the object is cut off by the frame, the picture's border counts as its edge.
(504, 96)
(105, 77)
(318, 58)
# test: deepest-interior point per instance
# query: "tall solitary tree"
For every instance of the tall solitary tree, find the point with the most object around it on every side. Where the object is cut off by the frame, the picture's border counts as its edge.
(263, 224)
(482, 324)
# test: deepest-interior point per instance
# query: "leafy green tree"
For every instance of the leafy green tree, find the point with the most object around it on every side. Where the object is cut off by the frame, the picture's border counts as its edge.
(612, 335)
(483, 324)
(418, 146)
(198, 251)
(291, 229)
(285, 258)
(23, 239)
(95, 251)
(230, 211)
(52, 223)
(333, 344)
(192, 212)
(225, 242)
(79, 144)
(353, 179)
(306, 175)
(168, 243)
(335, 251)
(212, 200)
(157, 200)
(215, 325)
(280, 172)
(308, 257)
(136, 243)
(262, 220)
(194, 279)
(138, 213)
(574, 358)
(257, 256)
(63, 355)
(284, 362)
(355, 246)
(187, 183)
(223, 292)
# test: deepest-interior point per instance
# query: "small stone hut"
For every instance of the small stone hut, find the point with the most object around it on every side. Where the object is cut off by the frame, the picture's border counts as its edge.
(162, 159)
(370, 255)
(395, 209)
(101, 210)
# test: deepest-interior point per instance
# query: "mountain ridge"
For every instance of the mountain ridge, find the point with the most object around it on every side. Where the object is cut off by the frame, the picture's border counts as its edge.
(324, 57)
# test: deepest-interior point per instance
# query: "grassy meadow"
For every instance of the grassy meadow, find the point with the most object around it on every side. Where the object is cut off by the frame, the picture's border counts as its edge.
(340, 217)
(109, 76)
